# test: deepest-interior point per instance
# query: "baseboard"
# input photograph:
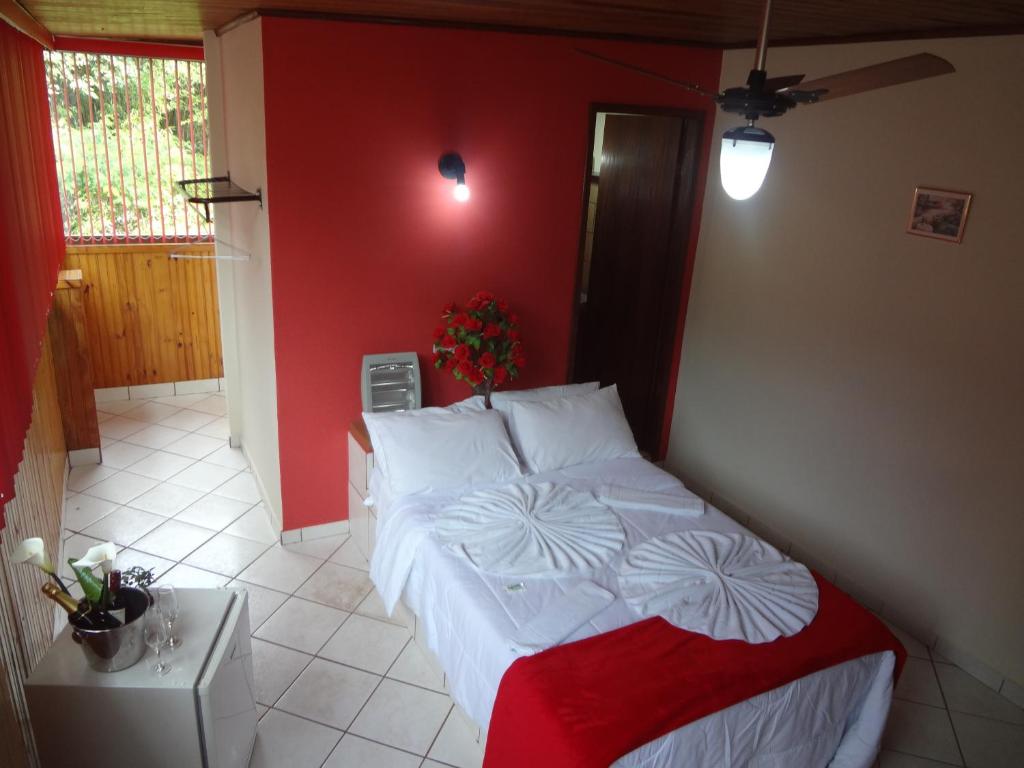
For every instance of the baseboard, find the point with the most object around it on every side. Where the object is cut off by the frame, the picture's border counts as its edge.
(274, 514)
(310, 532)
(163, 389)
(80, 457)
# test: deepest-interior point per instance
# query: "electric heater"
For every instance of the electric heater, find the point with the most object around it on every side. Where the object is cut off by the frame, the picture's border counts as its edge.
(391, 382)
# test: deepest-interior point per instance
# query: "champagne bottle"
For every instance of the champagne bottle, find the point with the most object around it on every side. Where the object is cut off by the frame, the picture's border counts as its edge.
(117, 603)
(78, 616)
(81, 615)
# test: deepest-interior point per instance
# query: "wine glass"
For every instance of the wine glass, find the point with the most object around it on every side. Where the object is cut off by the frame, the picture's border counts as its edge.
(155, 633)
(167, 601)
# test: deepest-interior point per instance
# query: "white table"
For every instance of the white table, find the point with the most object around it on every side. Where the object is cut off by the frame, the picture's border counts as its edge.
(201, 713)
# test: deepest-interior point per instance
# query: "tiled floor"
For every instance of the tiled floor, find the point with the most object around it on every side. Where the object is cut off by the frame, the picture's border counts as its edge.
(339, 685)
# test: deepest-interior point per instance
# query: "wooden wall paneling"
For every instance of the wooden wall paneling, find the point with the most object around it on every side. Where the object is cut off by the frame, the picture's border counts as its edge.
(149, 318)
(26, 617)
(72, 366)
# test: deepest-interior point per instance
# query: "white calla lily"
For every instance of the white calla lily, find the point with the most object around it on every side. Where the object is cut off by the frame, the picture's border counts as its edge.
(33, 552)
(102, 555)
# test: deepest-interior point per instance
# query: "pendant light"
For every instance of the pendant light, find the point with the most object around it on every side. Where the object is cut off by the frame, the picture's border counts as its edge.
(746, 155)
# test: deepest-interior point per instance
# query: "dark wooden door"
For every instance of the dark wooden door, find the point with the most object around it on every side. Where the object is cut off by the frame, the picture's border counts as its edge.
(627, 308)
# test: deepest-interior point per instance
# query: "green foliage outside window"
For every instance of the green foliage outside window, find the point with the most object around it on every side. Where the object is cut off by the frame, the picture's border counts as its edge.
(125, 130)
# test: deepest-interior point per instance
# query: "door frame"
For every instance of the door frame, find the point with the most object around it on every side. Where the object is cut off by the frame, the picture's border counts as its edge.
(686, 227)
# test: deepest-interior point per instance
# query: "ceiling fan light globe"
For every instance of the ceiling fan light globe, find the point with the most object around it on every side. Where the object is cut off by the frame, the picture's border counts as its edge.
(746, 155)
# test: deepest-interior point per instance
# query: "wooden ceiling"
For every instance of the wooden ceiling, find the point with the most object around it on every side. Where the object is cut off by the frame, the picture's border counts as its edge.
(720, 23)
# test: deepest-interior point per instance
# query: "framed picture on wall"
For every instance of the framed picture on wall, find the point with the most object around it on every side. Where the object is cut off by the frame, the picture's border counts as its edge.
(939, 213)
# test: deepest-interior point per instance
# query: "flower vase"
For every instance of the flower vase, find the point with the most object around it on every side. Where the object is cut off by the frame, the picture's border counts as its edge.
(485, 390)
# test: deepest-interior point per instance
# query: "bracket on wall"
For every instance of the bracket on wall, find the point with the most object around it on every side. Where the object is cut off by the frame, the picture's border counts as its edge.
(217, 189)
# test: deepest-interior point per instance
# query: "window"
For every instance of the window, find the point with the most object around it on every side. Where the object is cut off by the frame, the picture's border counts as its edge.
(125, 129)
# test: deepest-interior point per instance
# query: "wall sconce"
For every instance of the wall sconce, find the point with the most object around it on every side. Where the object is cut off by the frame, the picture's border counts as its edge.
(451, 167)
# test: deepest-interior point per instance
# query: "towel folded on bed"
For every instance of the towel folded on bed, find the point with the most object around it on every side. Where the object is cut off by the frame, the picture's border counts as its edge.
(632, 498)
(561, 617)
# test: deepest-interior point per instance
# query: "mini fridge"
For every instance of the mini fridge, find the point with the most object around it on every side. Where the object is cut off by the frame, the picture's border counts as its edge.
(201, 713)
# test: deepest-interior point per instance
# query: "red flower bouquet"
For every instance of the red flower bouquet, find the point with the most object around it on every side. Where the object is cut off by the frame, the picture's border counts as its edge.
(479, 344)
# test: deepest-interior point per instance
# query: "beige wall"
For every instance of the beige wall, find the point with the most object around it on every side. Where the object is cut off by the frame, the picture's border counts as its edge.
(858, 390)
(238, 145)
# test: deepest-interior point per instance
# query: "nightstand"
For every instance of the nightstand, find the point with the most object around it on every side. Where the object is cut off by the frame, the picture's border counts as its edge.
(362, 520)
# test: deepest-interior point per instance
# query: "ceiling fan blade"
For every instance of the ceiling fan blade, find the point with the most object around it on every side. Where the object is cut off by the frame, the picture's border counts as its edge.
(905, 70)
(785, 81)
(640, 70)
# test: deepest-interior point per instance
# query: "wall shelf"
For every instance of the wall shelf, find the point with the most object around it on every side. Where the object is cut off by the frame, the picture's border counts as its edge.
(217, 189)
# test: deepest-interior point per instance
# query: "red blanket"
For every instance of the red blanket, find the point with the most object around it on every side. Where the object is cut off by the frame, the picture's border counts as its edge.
(590, 702)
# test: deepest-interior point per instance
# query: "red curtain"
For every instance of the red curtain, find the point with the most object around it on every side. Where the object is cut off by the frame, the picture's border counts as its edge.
(31, 238)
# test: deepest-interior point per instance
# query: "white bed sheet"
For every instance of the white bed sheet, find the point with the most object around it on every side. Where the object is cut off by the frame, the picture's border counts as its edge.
(833, 717)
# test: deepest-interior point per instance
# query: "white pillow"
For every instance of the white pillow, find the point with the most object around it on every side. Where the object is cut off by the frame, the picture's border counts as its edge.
(582, 429)
(502, 400)
(433, 449)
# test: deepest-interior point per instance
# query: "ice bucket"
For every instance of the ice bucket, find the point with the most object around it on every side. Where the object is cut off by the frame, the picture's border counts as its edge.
(111, 650)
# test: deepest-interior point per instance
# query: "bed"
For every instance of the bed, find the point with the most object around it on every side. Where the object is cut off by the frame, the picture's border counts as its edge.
(468, 617)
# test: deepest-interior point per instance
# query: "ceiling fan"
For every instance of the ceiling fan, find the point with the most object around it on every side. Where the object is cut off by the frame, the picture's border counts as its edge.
(747, 150)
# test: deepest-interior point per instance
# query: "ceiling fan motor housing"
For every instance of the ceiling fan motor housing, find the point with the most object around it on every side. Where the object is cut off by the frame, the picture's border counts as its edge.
(753, 100)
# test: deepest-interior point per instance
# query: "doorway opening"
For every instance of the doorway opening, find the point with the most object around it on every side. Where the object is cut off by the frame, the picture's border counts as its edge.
(638, 209)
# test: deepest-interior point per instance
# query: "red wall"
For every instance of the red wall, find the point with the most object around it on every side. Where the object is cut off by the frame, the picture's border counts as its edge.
(31, 238)
(367, 242)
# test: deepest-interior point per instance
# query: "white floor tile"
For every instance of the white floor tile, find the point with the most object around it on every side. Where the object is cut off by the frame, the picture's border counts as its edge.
(329, 693)
(241, 487)
(917, 729)
(187, 420)
(122, 487)
(373, 607)
(321, 548)
(354, 752)
(182, 401)
(195, 446)
(203, 477)
(113, 399)
(214, 512)
(412, 667)
(124, 525)
(160, 465)
(213, 404)
(166, 499)
(173, 540)
(155, 436)
(217, 428)
(254, 524)
(919, 683)
(226, 456)
(274, 669)
(262, 602)
(286, 740)
(82, 510)
(989, 743)
(366, 644)
(402, 716)
(349, 554)
(152, 412)
(966, 694)
(456, 745)
(120, 427)
(278, 569)
(301, 625)
(84, 477)
(225, 554)
(122, 455)
(193, 578)
(129, 557)
(337, 585)
(914, 647)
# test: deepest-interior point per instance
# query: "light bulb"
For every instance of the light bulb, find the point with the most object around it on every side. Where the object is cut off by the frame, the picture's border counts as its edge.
(746, 155)
(461, 192)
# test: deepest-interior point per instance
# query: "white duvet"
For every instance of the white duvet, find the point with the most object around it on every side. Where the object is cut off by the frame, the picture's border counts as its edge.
(470, 619)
